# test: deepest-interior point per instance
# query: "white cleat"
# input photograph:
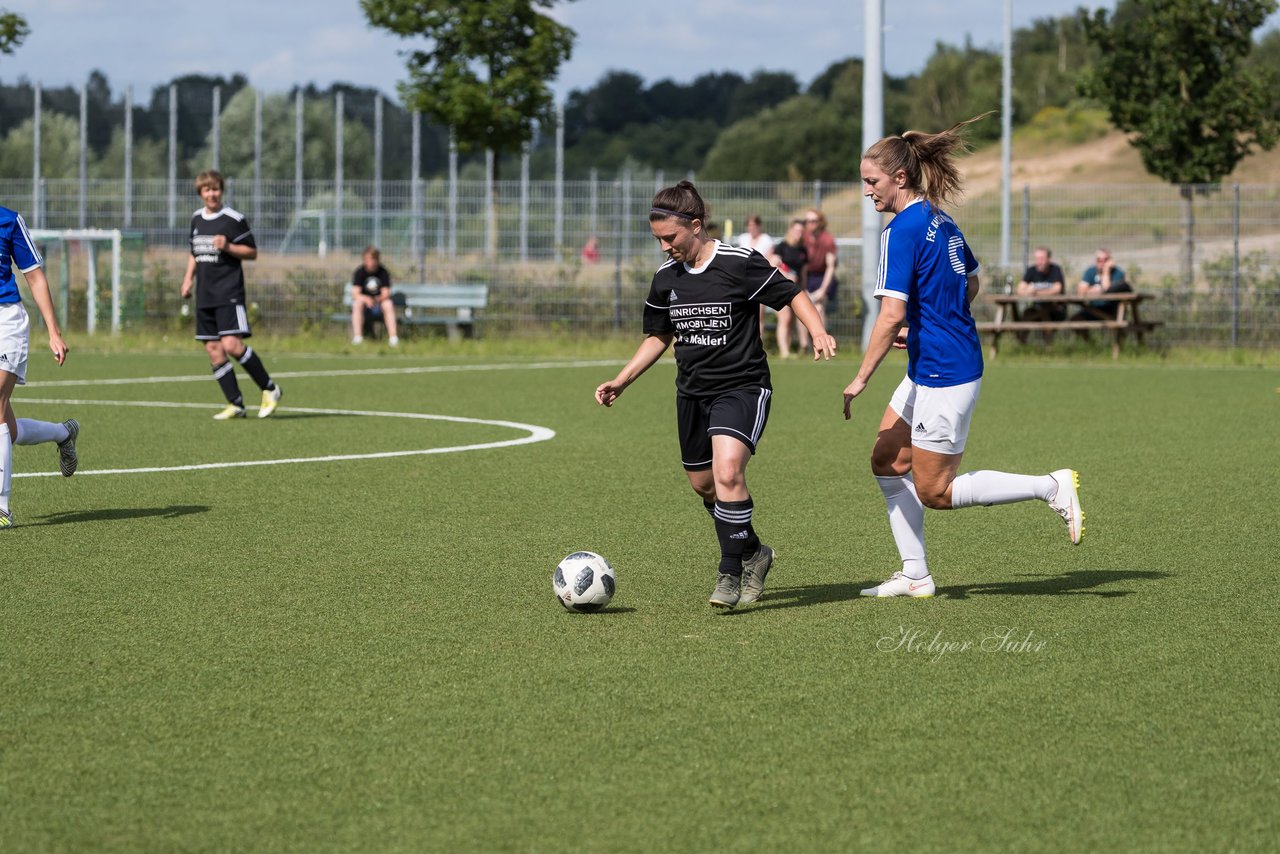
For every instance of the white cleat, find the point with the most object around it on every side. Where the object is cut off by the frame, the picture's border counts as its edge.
(1066, 502)
(899, 585)
(270, 399)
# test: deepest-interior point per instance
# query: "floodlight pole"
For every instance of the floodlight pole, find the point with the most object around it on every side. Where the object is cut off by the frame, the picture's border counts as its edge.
(872, 130)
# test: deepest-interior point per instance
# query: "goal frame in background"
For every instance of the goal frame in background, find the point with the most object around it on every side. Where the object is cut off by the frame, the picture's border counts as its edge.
(88, 237)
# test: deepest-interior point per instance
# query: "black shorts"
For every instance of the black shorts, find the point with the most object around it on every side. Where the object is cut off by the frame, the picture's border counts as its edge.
(741, 413)
(216, 321)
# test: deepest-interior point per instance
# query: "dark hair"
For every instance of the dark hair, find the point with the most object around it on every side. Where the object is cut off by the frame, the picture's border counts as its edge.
(926, 158)
(681, 201)
(372, 252)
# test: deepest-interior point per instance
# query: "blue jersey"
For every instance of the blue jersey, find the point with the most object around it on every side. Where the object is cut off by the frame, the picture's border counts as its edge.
(925, 261)
(16, 247)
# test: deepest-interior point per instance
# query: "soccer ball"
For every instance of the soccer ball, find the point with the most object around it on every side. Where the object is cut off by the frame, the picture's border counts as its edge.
(584, 581)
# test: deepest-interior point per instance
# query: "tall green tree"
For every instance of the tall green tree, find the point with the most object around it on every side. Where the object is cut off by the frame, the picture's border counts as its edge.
(13, 30)
(1173, 74)
(956, 84)
(486, 71)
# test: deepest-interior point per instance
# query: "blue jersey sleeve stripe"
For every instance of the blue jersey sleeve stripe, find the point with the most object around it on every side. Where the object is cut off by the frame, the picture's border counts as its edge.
(25, 251)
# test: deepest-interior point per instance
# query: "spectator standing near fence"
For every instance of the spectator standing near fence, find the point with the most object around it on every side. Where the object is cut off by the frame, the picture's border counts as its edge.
(17, 248)
(927, 278)
(1104, 277)
(221, 241)
(792, 261)
(371, 294)
(705, 298)
(821, 282)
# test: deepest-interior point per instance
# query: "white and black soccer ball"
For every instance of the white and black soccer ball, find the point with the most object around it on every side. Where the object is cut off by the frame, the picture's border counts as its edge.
(584, 581)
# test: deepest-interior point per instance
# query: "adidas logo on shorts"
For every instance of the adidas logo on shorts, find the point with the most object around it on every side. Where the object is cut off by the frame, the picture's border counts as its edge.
(920, 427)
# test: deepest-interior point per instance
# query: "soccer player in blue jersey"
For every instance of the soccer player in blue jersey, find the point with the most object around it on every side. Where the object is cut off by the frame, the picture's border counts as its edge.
(17, 248)
(706, 298)
(926, 279)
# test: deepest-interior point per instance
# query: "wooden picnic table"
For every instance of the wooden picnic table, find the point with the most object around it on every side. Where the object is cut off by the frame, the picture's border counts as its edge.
(1008, 317)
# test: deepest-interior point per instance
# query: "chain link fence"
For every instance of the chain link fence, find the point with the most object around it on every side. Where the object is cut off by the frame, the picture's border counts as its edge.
(1221, 288)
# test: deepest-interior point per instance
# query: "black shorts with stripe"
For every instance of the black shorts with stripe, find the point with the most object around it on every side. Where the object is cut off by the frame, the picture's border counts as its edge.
(218, 320)
(741, 413)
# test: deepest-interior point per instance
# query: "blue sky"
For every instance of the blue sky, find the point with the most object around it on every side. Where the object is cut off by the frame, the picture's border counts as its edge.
(278, 43)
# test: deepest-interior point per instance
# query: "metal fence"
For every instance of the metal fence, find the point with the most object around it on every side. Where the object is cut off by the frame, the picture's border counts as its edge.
(524, 240)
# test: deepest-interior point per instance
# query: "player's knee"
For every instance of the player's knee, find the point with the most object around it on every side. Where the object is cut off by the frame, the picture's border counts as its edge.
(728, 476)
(934, 499)
(889, 461)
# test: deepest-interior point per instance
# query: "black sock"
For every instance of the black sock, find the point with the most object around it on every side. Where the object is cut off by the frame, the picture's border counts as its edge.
(253, 366)
(711, 507)
(225, 374)
(733, 529)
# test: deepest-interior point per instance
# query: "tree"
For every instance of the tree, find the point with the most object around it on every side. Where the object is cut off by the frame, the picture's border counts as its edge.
(486, 72)
(278, 153)
(956, 84)
(13, 29)
(1173, 74)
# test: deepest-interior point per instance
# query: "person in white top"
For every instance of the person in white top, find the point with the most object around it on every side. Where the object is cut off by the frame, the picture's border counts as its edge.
(755, 238)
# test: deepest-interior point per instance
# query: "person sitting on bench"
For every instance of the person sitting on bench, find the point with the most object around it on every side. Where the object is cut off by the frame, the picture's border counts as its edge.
(1104, 277)
(371, 292)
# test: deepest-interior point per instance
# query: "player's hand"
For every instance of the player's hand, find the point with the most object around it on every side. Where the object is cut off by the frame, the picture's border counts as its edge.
(607, 393)
(851, 391)
(219, 242)
(186, 289)
(824, 347)
(900, 342)
(59, 348)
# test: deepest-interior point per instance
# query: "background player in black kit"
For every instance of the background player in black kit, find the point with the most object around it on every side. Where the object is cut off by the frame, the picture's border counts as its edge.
(706, 298)
(220, 241)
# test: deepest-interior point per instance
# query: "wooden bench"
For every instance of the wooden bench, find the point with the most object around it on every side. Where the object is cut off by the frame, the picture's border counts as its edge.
(1126, 321)
(452, 306)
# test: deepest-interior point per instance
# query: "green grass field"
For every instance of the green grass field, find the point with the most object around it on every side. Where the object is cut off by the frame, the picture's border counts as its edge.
(365, 654)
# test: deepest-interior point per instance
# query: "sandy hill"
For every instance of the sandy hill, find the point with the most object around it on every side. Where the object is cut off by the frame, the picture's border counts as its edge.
(1109, 159)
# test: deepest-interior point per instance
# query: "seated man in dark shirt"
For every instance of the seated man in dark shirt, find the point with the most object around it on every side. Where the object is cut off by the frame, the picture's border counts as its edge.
(371, 294)
(1043, 278)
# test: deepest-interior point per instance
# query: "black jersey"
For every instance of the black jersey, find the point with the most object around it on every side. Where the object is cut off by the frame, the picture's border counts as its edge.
(713, 312)
(219, 275)
(371, 283)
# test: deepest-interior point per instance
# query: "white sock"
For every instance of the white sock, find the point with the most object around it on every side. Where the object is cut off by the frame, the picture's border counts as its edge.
(997, 487)
(906, 520)
(6, 466)
(32, 432)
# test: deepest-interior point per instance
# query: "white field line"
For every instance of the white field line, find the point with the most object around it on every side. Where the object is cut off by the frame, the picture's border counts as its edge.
(352, 372)
(536, 434)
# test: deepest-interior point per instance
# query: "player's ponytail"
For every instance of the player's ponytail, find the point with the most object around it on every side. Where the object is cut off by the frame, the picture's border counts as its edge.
(928, 159)
(681, 201)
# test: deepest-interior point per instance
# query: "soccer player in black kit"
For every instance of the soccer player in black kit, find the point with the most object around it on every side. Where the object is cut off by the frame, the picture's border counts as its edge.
(220, 241)
(707, 298)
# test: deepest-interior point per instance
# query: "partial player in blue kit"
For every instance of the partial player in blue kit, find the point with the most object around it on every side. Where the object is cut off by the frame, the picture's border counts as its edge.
(706, 298)
(926, 279)
(18, 249)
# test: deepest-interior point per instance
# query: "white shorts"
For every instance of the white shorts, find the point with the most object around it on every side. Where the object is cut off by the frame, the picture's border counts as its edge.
(15, 338)
(938, 417)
